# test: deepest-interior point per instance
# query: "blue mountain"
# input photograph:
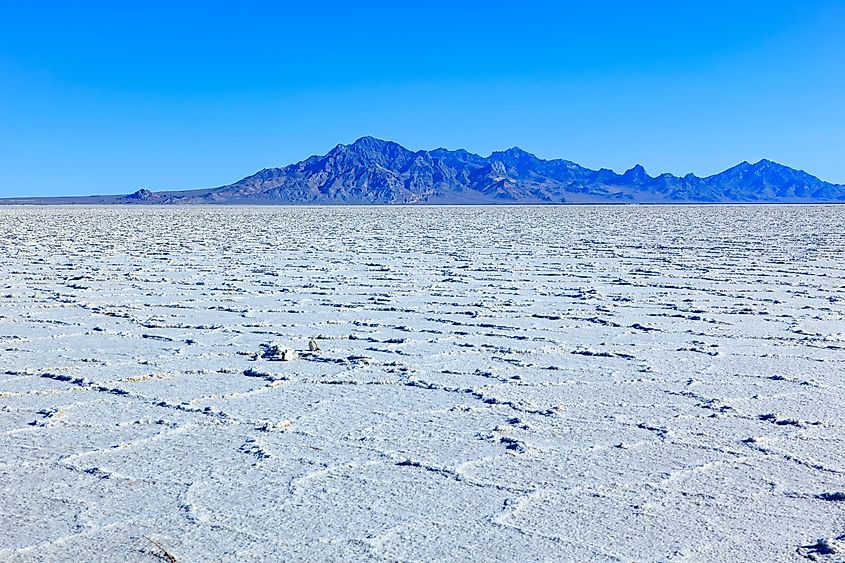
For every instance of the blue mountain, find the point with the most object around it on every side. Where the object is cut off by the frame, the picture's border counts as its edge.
(373, 171)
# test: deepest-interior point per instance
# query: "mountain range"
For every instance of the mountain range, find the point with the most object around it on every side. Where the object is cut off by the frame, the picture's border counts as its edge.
(373, 171)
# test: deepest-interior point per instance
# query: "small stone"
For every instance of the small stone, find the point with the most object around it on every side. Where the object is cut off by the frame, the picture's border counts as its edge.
(279, 352)
(364, 360)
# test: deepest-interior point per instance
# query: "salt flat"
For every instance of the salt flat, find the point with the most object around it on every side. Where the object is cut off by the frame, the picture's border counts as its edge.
(513, 384)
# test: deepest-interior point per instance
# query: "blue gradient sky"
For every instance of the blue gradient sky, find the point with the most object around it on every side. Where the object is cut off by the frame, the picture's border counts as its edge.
(107, 97)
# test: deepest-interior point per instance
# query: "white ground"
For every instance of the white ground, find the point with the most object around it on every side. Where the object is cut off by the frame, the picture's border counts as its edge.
(513, 384)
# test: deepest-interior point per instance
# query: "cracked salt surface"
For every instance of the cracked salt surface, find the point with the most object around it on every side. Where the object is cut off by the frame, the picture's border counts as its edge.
(427, 383)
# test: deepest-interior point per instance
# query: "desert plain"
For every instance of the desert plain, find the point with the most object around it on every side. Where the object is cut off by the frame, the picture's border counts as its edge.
(531, 383)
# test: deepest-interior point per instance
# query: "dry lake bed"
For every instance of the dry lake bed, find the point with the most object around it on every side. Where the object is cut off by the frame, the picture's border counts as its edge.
(491, 383)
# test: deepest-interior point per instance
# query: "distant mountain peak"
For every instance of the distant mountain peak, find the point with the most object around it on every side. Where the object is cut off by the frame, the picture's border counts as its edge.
(376, 171)
(636, 174)
(512, 152)
(514, 156)
(368, 141)
(768, 164)
(143, 194)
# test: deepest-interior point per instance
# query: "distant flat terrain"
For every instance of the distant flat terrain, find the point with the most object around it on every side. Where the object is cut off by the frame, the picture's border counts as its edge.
(492, 383)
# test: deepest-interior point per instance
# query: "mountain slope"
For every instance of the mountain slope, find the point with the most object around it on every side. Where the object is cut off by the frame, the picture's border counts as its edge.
(373, 171)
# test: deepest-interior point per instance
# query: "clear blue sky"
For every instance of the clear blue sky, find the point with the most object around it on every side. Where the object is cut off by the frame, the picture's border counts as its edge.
(107, 97)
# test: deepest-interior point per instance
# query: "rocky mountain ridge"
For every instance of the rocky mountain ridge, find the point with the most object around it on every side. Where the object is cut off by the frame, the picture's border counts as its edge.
(373, 171)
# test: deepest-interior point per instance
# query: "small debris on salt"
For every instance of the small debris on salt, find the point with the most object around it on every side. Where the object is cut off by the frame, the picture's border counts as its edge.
(277, 351)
